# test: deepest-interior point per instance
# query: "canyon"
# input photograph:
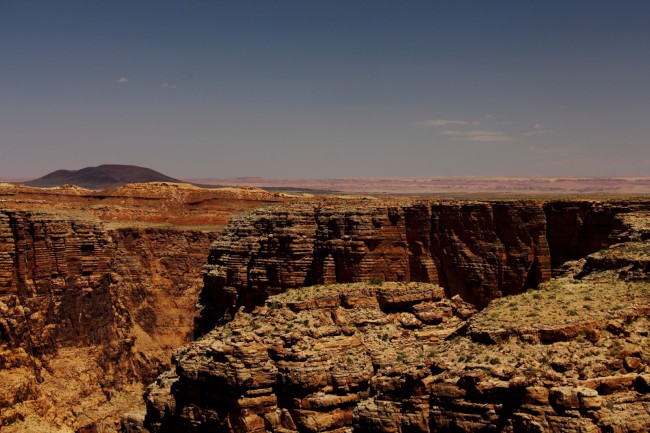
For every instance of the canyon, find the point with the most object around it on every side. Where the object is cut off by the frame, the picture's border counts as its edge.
(478, 250)
(319, 313)
(569, 356)
(88, 314)
(366, 317)
(96, 289)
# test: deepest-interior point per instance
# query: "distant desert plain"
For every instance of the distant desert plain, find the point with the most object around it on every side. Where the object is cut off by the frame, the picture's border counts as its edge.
(454, 186)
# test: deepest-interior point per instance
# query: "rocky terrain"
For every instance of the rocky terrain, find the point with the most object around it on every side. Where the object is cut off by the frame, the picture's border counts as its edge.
(316, 314)
(96, 289)
(88, 310)
(305, 360)
(147, 204)
(569, 355)
(478, 250)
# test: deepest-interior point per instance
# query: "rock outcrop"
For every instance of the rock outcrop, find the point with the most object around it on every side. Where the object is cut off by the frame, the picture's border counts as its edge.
(88, 314)
(571, 355)
(478, 250)
(301, 330)
(286, 347)
(305, 360)
(579, 228)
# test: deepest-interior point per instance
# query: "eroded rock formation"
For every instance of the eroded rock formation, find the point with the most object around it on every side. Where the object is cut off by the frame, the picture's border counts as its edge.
(305, 360)
(479, 250)
(286, 349)
(87, 315)
(101, 305)
(569, 356)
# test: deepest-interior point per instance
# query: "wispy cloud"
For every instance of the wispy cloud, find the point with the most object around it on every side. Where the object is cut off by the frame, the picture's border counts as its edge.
(495, 131)
(537, 130)
(488, 138)
(480, 136)
(169, 85)
(448, 122)
(555, 150)
(122, 80)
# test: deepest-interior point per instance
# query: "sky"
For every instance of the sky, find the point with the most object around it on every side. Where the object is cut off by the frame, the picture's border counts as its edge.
(326, 89)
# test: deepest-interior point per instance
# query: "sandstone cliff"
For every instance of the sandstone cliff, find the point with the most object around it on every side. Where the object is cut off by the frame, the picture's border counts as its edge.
(87, 315)
(91, 310)
(397, 357)
(567, 354)
(479, 250)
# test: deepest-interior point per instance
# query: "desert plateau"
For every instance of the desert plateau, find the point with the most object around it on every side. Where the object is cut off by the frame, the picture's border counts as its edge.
(334, 216)
(236, 309)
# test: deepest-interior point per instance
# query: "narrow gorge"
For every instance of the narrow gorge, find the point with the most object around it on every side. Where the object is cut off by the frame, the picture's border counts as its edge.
(363, 316)
(478, 250)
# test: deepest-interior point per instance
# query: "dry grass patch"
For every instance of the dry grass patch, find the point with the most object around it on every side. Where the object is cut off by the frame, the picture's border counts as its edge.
(565, 300)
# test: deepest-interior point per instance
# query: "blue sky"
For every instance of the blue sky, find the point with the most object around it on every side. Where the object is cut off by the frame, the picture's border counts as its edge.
(326, 89)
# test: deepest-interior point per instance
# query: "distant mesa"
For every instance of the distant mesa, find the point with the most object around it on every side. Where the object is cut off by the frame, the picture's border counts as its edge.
(101, 177)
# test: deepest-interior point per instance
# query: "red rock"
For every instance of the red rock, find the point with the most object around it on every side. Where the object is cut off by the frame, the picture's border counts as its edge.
(575, 398)
(76, 296)
(480, 250)
(632, 363)
(415, 361)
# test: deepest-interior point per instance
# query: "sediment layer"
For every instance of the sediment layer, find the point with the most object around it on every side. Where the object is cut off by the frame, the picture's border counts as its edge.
(98, 309)
(478, 250)
(571, 355)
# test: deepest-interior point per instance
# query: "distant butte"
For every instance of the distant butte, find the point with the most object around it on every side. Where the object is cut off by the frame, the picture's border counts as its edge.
(101, 177)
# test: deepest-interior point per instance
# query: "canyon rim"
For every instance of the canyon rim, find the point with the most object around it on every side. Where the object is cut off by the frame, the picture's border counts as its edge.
(331, 313)
(324, 216)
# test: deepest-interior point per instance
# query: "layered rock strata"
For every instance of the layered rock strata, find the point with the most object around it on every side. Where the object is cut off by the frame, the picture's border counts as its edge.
(478, 250)
(304, 361)
(569, 356)
(87, 315)
(153, 203)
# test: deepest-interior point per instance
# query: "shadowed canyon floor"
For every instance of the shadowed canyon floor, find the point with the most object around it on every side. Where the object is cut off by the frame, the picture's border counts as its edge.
(98, 287)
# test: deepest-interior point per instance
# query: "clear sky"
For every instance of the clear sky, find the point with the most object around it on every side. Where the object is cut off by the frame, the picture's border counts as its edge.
(326, 89)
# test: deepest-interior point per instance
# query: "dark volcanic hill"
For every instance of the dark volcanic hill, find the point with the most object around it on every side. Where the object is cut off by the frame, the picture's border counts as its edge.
(103, 176)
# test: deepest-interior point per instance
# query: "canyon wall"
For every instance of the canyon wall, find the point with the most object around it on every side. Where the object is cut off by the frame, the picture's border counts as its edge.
(88, 314)
(478, 250)
(293, 352)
